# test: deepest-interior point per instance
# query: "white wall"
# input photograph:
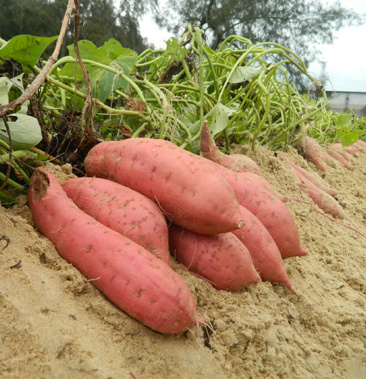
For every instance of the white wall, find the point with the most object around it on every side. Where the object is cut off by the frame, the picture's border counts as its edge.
(342, 101)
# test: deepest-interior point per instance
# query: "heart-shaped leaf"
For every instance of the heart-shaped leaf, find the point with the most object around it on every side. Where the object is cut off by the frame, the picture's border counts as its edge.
(25, 131)
(241, 74)
(219, 116)
(111, 54)
(25, 49)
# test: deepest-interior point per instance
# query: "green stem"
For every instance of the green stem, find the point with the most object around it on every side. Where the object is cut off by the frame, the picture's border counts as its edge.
(201, 72)
(12, 183)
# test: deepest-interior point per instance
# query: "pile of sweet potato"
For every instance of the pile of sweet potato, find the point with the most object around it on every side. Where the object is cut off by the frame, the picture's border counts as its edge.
(148, 201)
(322, 157)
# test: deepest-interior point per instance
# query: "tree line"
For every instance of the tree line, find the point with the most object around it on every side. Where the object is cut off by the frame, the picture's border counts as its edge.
(296, 24)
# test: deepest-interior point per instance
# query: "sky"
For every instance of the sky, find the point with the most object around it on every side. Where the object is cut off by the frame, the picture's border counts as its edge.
(345, 59)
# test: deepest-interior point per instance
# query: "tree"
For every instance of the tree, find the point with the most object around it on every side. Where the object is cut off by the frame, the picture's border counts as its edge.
(101, 20)
(295, 24)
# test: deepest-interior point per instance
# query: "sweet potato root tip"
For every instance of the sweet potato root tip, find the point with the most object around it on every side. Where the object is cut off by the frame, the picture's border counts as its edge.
(303, 252)
(241, 224)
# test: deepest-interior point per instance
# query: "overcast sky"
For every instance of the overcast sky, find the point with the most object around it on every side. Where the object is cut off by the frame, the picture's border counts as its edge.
(345, 59)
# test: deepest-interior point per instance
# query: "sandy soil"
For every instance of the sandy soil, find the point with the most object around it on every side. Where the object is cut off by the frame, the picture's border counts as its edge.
(55, 324)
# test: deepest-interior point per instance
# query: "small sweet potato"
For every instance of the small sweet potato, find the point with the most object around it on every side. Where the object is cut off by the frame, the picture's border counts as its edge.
(130, 276)
(338, 147)
(340, 158)
(221, 258)
(324, 201)
(353, 150)
(235, 162)
(264, 252)
(361, 145)
(188, 193)
(123, 210)
(313, 152)
(300, 172)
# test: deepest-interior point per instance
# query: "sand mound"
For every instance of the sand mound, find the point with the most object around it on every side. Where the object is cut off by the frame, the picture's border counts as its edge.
(55, 324)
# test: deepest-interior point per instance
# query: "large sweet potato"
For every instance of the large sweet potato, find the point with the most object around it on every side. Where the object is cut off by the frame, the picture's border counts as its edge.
(266, 257)
(123, 210)
(220, 258)
(131, 277)
(267, 207)
(189, 194)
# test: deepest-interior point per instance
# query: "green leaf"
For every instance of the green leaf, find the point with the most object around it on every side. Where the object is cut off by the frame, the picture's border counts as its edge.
(241, 74)
(102, 81)
(349, 137)
(219, 116)
(176, 51)
(6, 85)
(113, 50)
(342, 120)
(25, 49)
(25, 131)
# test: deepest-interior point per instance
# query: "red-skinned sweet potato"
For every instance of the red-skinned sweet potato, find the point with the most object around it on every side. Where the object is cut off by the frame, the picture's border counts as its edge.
(145, 157)
(188, 193)
(131, 277)
(324, 201)
(340, 158)
(267, 207)
(361, 145)
(353, 150)
(313, 152)
(123, 210)
(221, 258)
(303, 173)
(266, 257)
(339, 148)
(235, 162)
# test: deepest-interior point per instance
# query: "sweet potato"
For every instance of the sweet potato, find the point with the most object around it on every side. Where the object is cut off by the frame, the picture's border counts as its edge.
(188, 193)
(340, 158)
(345, 151)
(220, 258)
(361, 145)
(264, 252)
(123, 210)
(300, 172)
(313, 152)
(235, 162)
(131, 277)
(338, 147)
(267, 207)
(353, 150)
(324, 201)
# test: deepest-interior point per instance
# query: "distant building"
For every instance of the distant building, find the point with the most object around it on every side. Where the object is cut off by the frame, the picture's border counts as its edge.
(342, 101)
